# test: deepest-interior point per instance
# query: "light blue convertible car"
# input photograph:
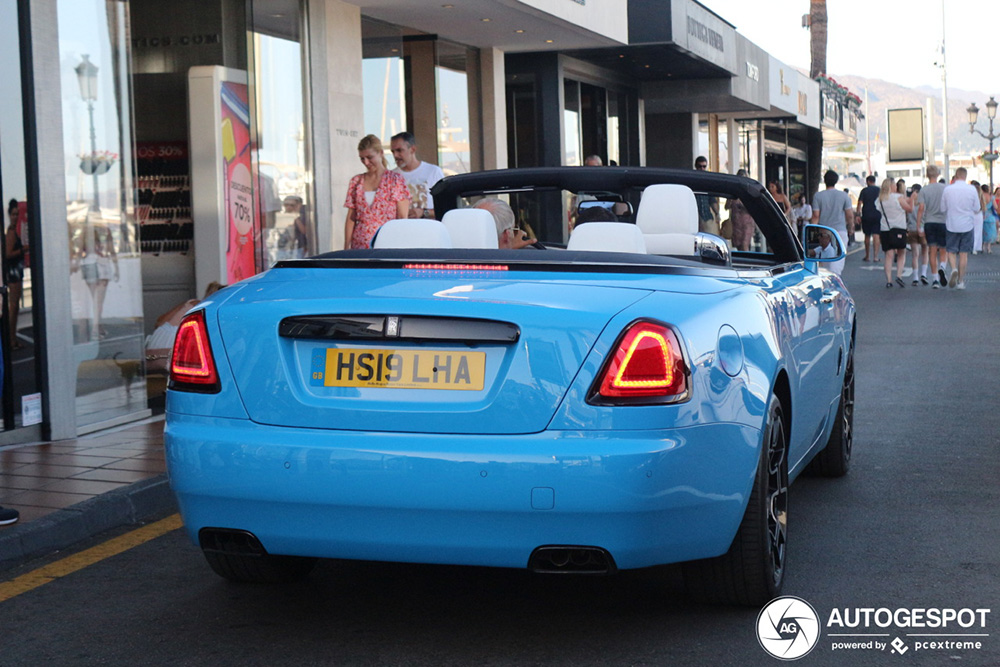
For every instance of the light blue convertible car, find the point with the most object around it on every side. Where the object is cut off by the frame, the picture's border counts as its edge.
(629, 390)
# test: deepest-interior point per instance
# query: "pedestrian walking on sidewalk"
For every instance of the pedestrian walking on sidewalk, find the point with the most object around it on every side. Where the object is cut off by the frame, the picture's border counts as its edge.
(915, 238)
(962, 208)
(991, 220)
(870, 218)
(892, 231)
(931, 219)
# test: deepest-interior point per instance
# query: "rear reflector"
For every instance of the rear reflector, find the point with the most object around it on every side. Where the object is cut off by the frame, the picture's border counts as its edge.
(192, 367)
(647, 364)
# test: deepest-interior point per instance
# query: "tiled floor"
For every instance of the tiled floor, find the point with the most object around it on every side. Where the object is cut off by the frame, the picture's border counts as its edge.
(39, 479)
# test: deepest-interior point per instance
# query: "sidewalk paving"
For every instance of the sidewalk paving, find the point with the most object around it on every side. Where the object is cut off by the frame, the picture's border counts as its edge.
(70, 490)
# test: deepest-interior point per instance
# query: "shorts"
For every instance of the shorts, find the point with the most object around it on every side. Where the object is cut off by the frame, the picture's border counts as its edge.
(894, 239)
(914, 237)
(870, 226)
(960, 241)
(89, 272)
(935, 234)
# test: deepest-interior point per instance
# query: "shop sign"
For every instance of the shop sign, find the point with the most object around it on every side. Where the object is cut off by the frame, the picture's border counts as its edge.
(704, 34)
(753, 71)
(182, 40)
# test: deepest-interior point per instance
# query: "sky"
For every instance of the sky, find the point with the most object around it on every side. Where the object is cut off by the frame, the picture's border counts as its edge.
(879, 39)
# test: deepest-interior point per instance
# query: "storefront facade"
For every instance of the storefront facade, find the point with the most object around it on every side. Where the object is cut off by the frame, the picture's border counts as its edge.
(153, 148)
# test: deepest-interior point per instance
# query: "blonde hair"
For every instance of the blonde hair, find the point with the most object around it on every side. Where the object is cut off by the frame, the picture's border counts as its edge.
(372, 142)
(213, 287)
(888, 187)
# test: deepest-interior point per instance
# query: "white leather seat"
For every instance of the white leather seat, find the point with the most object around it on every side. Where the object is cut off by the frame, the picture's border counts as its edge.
(668, 219)
(607, 237)
(416, 233)
(471, 228)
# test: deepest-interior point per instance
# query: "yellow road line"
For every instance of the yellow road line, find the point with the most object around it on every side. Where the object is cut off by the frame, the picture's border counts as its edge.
(71, 564)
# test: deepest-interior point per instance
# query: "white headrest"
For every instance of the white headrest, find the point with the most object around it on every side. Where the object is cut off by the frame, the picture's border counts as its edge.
(607, 237)
(671, 244)
(415, 233)
(667, 208)
(471, 228)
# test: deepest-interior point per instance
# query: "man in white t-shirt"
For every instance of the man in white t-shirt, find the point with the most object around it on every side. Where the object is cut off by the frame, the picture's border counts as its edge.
(961, 205)
(420, 176)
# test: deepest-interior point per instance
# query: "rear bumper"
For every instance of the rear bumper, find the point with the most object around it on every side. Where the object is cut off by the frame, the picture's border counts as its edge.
(647, 497)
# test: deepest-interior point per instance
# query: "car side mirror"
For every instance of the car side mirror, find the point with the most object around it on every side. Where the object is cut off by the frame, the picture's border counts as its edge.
(822, 244)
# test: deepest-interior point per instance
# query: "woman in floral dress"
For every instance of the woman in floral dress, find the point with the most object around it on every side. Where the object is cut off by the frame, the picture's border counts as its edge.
(374, 197)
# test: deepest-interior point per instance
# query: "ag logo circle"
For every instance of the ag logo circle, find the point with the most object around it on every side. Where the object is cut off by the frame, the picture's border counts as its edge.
(788, 628)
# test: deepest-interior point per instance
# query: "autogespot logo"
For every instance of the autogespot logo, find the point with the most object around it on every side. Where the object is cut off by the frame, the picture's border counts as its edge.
(788, 628)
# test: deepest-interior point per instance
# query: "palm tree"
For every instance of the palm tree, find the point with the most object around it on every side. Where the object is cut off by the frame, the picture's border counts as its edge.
(817, 47)
(817, 37)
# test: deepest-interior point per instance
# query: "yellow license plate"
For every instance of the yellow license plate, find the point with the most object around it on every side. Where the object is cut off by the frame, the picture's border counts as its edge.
(398, 369)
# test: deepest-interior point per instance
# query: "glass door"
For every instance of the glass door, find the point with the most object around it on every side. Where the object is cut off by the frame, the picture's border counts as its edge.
(105, 282)
(283, 156)
(21, 400)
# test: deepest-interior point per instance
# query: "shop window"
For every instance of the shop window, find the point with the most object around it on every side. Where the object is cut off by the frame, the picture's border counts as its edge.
(383, 80)
(572, 139)
(523, 139)
(283, 157)
(105, 271)
(614, 129)
(18, 330)
(452, 65)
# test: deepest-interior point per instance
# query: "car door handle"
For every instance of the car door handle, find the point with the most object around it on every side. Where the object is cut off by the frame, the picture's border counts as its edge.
(828, 297)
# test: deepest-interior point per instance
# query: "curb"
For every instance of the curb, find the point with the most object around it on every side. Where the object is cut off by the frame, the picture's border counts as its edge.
(126, 506)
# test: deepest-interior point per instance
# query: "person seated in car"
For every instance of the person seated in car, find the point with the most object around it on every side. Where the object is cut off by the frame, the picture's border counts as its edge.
(508, 236)
(825, 249)
(160, 343)
(595, 214)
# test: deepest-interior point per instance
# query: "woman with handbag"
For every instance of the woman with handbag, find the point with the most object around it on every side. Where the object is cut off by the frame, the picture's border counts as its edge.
(893, 208)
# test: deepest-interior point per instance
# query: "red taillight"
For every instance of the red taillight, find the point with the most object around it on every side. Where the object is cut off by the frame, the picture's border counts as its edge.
(647, 363)
(191, 364)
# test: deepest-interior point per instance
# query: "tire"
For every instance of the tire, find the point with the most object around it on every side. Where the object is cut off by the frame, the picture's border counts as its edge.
(752, 572)
(259, 569)
(834, 460)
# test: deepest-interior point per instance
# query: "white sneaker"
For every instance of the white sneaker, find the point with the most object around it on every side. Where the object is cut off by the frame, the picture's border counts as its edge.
(961, 285)
(953, 280)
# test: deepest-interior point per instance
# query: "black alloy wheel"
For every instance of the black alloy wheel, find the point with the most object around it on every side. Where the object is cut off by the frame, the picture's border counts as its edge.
(752, 571)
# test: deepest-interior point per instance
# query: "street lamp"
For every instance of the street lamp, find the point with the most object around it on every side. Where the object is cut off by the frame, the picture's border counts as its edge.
(991, 113)
(86, 74)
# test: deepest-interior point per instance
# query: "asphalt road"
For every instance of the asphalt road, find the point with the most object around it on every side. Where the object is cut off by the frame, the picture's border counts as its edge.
(913, 526)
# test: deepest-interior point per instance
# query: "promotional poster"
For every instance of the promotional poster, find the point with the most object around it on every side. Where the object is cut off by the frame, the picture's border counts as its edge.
(238, 183)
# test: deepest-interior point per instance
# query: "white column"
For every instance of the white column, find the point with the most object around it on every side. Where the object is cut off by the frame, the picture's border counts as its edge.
(494, 108)
(733, 139)
(695, 129)
(59, 383)
(338, 111)
(761, 157)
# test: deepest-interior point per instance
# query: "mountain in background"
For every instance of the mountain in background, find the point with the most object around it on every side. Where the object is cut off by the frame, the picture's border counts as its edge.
(883, 95)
